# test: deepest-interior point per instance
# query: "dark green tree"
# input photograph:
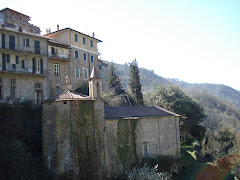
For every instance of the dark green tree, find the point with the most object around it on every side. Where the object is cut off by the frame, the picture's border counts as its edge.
(174, 99)
(113, 80)
(134, 84)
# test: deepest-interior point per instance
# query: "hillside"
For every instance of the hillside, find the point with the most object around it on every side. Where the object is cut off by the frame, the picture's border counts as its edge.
(150, 80)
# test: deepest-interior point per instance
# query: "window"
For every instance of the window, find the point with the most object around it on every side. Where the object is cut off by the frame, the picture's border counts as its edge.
(56, 69)
(91, 43)
(76, 38)
(3, 61)
(37, 47)
(3, 41)
(17, 59)
(76, 54)
(145, 149)
(11, 42)
(26, 42)
(77, 74)
(38, 66)
(84, 40)
(91, 58)
(1, 89)
(23, 64)
(99, 66)
(53, 51)
(57, 89)
(13, 88)
(38, 93)
(85, 73)
(84, 56)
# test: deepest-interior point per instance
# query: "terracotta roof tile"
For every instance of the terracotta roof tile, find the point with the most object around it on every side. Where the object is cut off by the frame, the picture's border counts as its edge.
(68, 95)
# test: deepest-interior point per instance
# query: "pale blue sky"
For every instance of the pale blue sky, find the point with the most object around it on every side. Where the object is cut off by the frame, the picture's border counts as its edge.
(196, 41)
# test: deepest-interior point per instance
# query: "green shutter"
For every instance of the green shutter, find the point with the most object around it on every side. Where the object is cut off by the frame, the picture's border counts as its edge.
(41, 66)
(3, 62)
(33, 65)
(3, 41)
(8, 58)
(17, 59)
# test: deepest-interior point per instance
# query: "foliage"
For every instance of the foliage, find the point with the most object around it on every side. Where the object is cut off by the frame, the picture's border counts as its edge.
(21, 141)
(113, 80)
(146, 173)
(111, 99)
(134, 84)
(174, 99)
(17, 162)
(84, 88)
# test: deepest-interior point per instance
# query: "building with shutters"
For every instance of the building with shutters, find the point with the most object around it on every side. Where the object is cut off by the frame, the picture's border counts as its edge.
(83, 55)
(33, 67)
(23, 59)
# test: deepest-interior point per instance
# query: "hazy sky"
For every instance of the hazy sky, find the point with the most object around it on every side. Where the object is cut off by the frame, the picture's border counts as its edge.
(197, 41)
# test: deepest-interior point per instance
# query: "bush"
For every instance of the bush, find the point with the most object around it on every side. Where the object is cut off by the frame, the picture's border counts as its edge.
(147, 173)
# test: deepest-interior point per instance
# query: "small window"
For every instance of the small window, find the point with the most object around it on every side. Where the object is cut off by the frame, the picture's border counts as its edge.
(84, 40)
(13, 88)
(91, 58)
(77, 74)
(84, 56)
(76, 54)
(56, 69)
(91, 43)
(145, 149)
(100, 66)
(85, 73)
(57, 89)
(26, 42)
(76, 38)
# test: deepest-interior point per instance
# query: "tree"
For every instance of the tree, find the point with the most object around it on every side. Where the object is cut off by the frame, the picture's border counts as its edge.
(113, 80)
(174, 99)
(134, 83)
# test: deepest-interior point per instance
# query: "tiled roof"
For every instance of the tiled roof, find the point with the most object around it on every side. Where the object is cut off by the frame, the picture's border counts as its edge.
(68, 95)
(14, 11)
(126, 112)
(74, 31)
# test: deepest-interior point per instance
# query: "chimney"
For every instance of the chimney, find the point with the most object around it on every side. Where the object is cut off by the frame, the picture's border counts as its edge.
(58, 27)
(49, 30)
(19, 29)
(93, 35)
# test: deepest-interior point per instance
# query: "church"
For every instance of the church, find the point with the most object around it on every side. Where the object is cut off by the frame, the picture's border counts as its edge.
(82, 139)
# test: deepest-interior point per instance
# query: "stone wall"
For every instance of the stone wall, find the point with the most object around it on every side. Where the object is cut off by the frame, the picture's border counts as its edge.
(73, 141)
(125, 141)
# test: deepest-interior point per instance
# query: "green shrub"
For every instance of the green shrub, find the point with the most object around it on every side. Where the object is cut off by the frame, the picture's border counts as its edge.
(147, 173)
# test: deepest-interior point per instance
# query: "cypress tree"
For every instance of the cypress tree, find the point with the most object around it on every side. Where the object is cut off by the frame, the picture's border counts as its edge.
(135, 85)
(113, 80)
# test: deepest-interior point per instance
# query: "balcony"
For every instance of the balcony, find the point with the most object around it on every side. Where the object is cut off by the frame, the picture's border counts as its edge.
(23, 49)
(59, 56)
(19, 70)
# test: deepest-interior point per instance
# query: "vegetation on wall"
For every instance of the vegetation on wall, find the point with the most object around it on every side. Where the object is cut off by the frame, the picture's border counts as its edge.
(126, 145)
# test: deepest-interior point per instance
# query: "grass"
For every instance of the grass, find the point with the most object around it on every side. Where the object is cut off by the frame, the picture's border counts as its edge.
(193, 167)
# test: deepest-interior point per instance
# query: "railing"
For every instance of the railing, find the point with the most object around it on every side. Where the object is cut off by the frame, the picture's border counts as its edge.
(18, 69)
(58, 55)
(27, 49)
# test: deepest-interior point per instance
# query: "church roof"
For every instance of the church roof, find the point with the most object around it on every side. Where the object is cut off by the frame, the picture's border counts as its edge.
(126, 112)
(68, 95)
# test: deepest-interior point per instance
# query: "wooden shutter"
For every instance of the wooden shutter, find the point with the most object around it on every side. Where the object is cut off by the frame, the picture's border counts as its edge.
(3, 40)
(3, 62)
(41, 66)
(17, 59)
(8, 58)
(12, 42)
(33, 65)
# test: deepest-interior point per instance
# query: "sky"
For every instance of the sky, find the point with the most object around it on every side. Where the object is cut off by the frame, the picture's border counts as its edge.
(196, 41)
